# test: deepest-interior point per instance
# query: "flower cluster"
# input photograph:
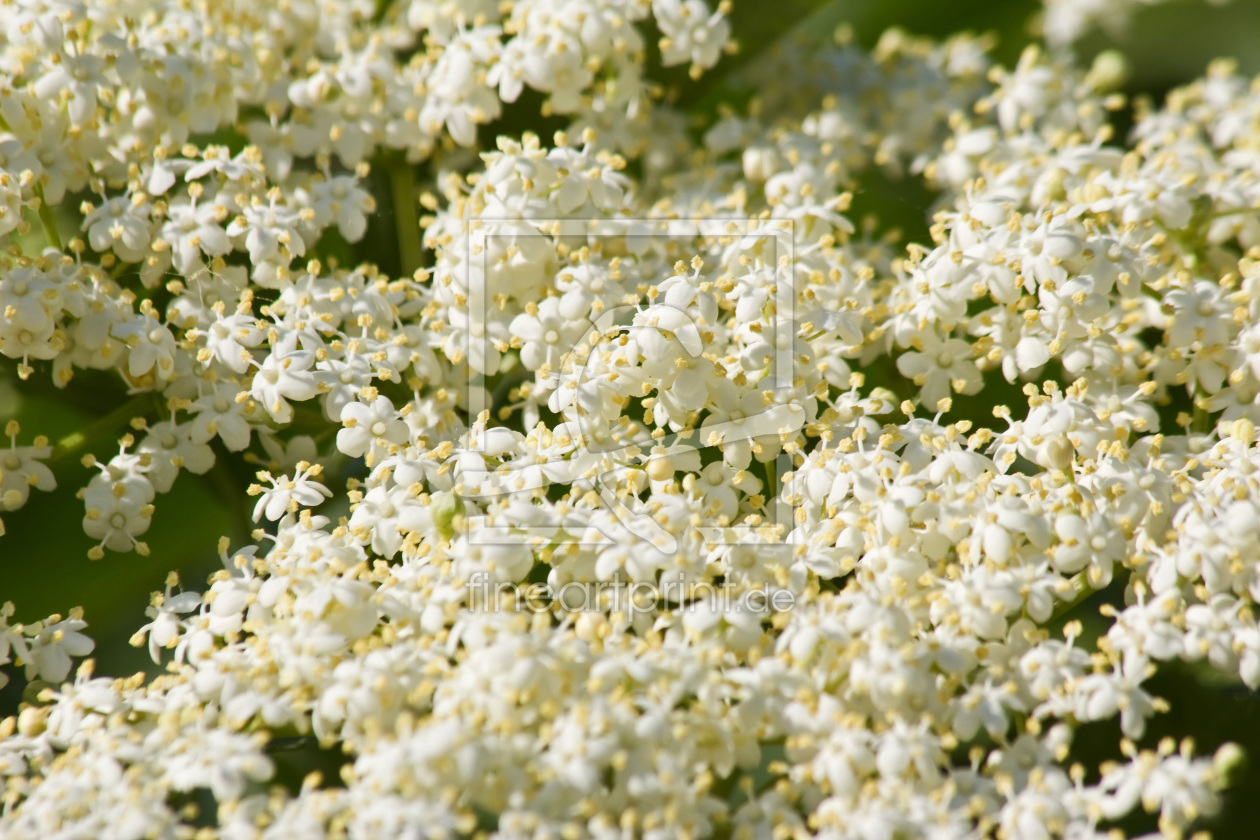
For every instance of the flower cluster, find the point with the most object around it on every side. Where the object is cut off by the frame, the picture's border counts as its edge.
(46, 647)
(629, 355)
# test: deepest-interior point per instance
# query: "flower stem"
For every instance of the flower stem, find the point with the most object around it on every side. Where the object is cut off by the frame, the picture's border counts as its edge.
(137, 406)
(1237, 212)
(47, 220)
(402, 185)
(1080, 591)
(1202, 419)
(772, 480)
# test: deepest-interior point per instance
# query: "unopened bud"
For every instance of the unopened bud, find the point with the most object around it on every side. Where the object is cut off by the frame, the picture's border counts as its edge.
(444, 507)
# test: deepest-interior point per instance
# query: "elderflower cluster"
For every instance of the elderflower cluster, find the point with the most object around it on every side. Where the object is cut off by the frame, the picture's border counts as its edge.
(654, 497)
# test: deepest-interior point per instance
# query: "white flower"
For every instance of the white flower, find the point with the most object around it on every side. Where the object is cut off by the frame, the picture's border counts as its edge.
(229, 340)
(503, 559)
(10, 203)
(21, 470)
(116, 522)
(285, 495)
(939, 366)
(286, 374)
(270, 232)
(193, 230)
(46, 647)
(387, 515)
(218, 413)
(369, 427)
(342, 202)
(547, 334)
(691, 32)
(458, 99)
(167, 625)
(170, 448)
(151, 346)
(77, 79)
(120, 225)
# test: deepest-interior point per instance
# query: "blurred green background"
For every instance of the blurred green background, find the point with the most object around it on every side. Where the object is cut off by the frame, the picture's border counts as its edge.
(43, 558)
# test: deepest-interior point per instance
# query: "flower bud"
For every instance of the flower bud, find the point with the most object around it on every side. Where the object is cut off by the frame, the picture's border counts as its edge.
(444, 507)
(1056, 453)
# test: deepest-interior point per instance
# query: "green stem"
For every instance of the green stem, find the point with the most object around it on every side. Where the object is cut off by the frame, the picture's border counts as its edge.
(137, 406)
(1202, 419)
(291, 743)
(511, 379)
(772, 480)
(382, 9)
(47, 220)
(402, 183)
(1237, 212)
(1080, 591)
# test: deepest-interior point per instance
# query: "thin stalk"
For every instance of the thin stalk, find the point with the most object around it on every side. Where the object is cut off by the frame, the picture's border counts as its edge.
(382, 9)
(137, 406)
(1080, 591)
(1202, 419)
(772, 481)
(503, 390)
(291, 743)
(47, 220)
(402, 184)
(1222, 214)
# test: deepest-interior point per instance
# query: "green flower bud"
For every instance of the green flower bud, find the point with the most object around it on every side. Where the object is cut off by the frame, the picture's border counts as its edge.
(444, 507)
